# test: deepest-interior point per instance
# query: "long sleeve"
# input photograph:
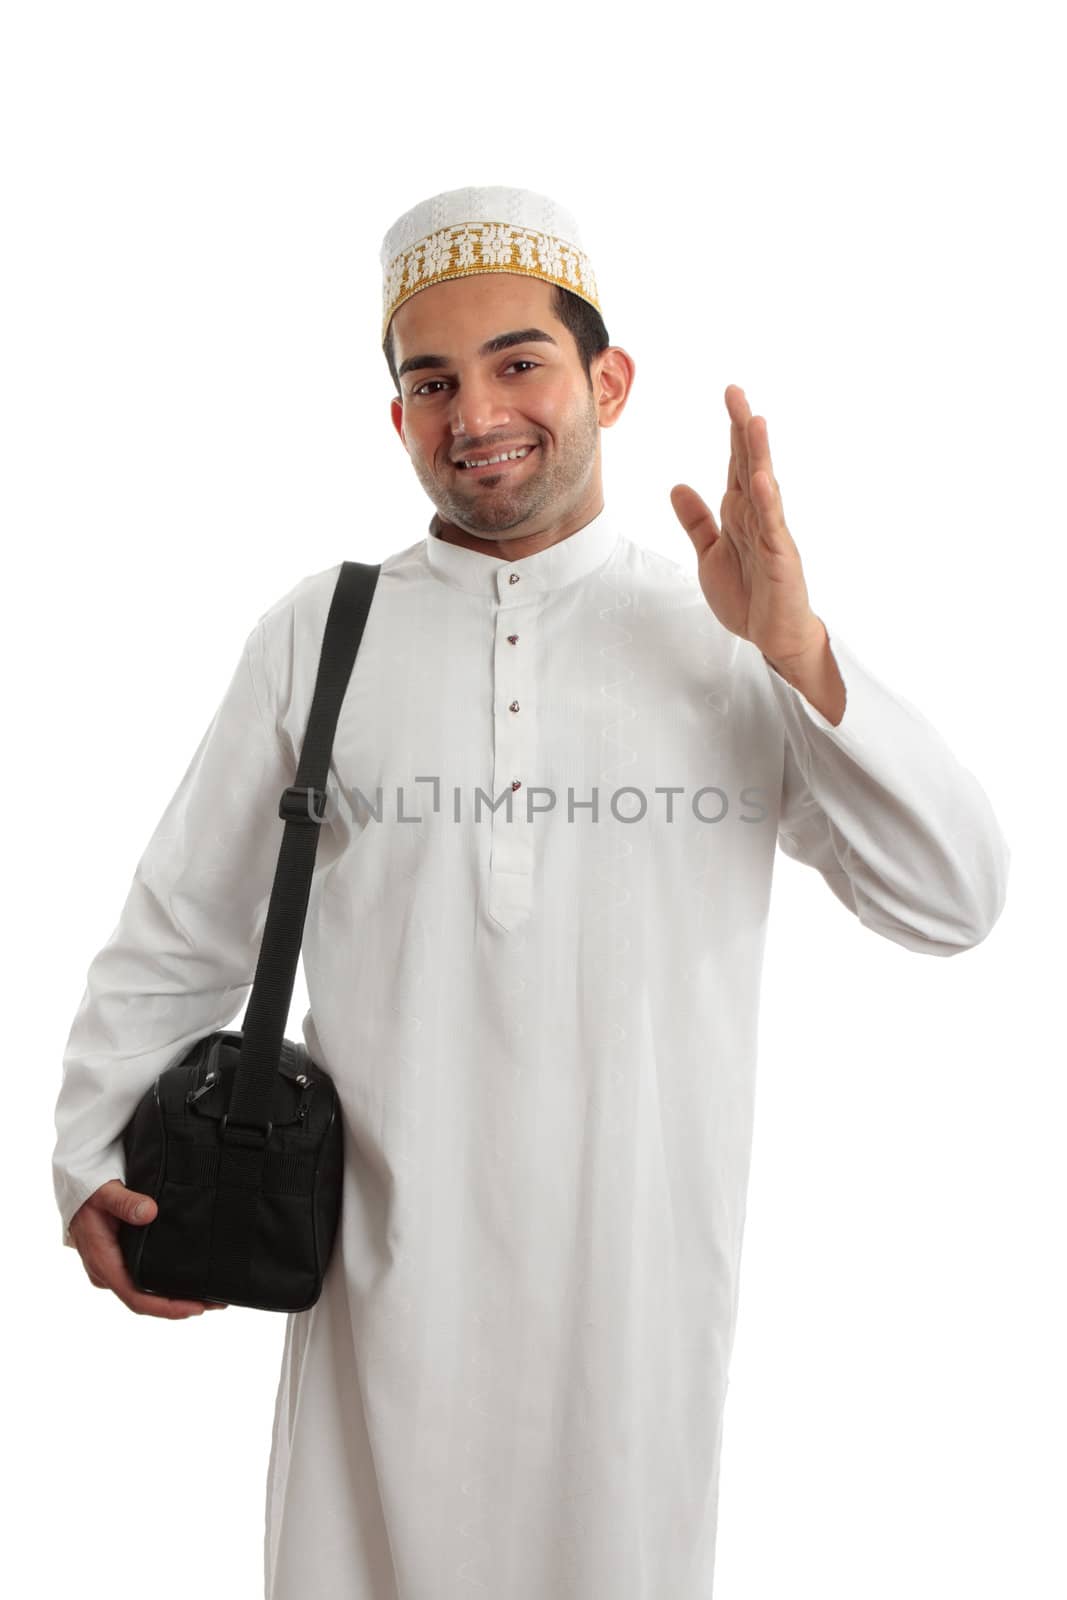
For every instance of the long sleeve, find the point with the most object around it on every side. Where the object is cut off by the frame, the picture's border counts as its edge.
(903, 833)
(181, 959)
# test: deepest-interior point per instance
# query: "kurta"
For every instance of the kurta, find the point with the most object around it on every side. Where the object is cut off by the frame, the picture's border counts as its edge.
(533, 954)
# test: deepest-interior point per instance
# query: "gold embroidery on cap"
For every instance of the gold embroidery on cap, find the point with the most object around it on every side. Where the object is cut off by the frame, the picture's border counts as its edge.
(486, 247)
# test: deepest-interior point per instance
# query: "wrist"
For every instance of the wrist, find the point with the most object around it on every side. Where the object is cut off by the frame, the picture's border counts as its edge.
(810, 652)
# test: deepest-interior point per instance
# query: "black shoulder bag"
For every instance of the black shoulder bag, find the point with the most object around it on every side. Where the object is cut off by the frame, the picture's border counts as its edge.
(240, 1142)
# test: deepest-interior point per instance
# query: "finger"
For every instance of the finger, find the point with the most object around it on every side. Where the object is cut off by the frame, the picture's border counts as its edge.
(766, 496)
(733, 477)
(694, 514)
(759, 451)
(156, 1305)
(773, 533)
(740, 414)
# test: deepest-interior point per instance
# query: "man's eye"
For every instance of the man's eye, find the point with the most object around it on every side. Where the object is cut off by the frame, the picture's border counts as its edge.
(432, 382)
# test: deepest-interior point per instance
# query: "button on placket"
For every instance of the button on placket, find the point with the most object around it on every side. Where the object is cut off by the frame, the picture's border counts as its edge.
(512, 844)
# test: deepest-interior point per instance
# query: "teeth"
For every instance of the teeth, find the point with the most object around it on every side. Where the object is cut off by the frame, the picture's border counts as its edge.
(512, 455)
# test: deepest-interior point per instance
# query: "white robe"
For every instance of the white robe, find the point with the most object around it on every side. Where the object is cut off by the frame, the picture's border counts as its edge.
(543, 1035)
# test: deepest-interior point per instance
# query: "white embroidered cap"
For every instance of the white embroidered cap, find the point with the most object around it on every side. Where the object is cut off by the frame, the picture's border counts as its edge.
(465, 231)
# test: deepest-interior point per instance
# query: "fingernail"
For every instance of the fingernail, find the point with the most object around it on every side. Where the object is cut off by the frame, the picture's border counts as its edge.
(140, 1208)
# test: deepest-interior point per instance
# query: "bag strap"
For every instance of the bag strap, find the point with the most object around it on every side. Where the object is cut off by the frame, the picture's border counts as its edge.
(301, 807)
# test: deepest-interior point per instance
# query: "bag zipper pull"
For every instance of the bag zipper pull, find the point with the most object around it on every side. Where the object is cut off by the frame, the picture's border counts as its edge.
(194, 1094)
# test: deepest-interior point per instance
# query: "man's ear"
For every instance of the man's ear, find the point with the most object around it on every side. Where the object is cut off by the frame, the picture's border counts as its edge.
(614, 376)
(396, 412)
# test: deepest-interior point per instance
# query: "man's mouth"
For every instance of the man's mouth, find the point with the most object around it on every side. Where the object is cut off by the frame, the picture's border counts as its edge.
(495, 464)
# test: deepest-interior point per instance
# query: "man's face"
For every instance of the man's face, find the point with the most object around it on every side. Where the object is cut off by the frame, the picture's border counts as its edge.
(476, 403)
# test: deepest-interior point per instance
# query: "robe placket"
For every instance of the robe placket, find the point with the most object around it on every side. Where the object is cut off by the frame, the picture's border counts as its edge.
(515, 641)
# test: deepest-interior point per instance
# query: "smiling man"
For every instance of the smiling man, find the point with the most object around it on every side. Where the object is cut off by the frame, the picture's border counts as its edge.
(535, 981)
(522, 393)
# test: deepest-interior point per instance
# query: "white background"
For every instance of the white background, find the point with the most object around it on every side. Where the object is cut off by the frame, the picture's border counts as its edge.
(853, 212)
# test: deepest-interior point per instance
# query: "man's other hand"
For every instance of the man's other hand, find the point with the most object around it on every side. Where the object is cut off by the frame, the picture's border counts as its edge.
(94, 1227)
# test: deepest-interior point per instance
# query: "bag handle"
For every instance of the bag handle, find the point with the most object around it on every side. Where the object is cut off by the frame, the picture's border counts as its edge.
(300, 806)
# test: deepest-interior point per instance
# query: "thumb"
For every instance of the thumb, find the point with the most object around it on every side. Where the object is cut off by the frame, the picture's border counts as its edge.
(127, 1204)
(140, 1208)
(695, 516)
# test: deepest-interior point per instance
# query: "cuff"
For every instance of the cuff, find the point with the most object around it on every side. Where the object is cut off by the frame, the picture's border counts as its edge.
(860, 701)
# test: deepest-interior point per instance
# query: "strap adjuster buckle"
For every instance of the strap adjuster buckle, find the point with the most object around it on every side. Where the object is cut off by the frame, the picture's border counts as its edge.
(294, 804)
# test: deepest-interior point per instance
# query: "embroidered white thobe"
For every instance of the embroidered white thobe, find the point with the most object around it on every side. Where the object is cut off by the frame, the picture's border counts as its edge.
(532, 953)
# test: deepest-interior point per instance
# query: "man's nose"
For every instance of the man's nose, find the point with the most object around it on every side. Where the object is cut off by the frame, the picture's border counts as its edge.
(478, 407)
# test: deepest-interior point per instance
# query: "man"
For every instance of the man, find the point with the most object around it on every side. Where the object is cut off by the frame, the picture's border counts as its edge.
(534, 980)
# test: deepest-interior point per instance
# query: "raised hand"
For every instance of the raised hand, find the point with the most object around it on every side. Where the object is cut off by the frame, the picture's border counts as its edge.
(750, 568)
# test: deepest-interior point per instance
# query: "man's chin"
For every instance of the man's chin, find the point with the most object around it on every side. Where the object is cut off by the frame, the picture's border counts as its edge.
(472, 517)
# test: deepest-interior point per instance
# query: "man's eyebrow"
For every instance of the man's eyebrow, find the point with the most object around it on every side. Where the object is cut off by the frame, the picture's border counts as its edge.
(491, 347)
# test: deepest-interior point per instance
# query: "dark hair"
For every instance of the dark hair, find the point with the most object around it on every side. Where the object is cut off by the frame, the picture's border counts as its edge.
(584, 321)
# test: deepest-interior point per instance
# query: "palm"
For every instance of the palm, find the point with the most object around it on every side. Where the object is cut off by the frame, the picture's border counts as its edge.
(731, 579)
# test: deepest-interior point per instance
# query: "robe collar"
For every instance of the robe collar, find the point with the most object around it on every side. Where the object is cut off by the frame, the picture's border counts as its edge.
(574, 557)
